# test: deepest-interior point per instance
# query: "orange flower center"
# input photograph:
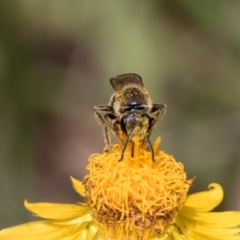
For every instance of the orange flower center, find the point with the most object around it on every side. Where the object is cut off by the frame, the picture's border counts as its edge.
(135, 197)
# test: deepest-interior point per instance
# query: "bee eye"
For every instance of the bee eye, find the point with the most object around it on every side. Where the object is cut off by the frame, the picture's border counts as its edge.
(128, 108)
(134, 107)
(141, 107)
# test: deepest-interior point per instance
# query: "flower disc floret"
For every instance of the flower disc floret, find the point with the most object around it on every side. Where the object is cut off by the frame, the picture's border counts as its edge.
(135, 197)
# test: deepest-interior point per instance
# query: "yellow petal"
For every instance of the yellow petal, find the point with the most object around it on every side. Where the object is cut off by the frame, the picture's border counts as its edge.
(83, 235)
(76, 233)
(78, 186)
(37, 230)
(163, 237)
(207, 200)
(81, 219)
(92, 232)
(170, 234)
(190, 235)
(47, 230)
(192, 228)
(176, 234)
(212, 219)
(56, 210)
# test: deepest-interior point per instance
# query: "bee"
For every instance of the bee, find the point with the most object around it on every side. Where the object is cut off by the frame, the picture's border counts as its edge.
(130, 114)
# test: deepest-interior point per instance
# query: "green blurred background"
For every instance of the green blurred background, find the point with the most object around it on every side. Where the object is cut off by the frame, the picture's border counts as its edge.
(56, 59)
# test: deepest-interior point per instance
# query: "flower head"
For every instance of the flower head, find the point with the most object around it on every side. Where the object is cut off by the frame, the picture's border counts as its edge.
(135, 197)
(132, 199)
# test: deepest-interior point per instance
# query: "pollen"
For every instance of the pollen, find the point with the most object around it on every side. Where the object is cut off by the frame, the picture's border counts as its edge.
(135, 198)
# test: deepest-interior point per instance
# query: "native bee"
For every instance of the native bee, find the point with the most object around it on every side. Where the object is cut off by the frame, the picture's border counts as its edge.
(130, 114)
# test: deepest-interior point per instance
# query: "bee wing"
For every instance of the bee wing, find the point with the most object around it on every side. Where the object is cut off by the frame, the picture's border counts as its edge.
(122, 80)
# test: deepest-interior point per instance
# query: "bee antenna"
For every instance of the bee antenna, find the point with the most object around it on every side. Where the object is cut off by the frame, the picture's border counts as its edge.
(125, 146)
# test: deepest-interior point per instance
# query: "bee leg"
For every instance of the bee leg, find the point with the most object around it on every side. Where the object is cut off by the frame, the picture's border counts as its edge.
(124, 148)
(118, 132)
(157, 112)
(132, 151)
(125, 145)
(151, 149)
(101, 120)
(107, 139)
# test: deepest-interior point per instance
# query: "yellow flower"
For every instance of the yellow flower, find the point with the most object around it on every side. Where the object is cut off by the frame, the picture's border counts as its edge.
(133, 199)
